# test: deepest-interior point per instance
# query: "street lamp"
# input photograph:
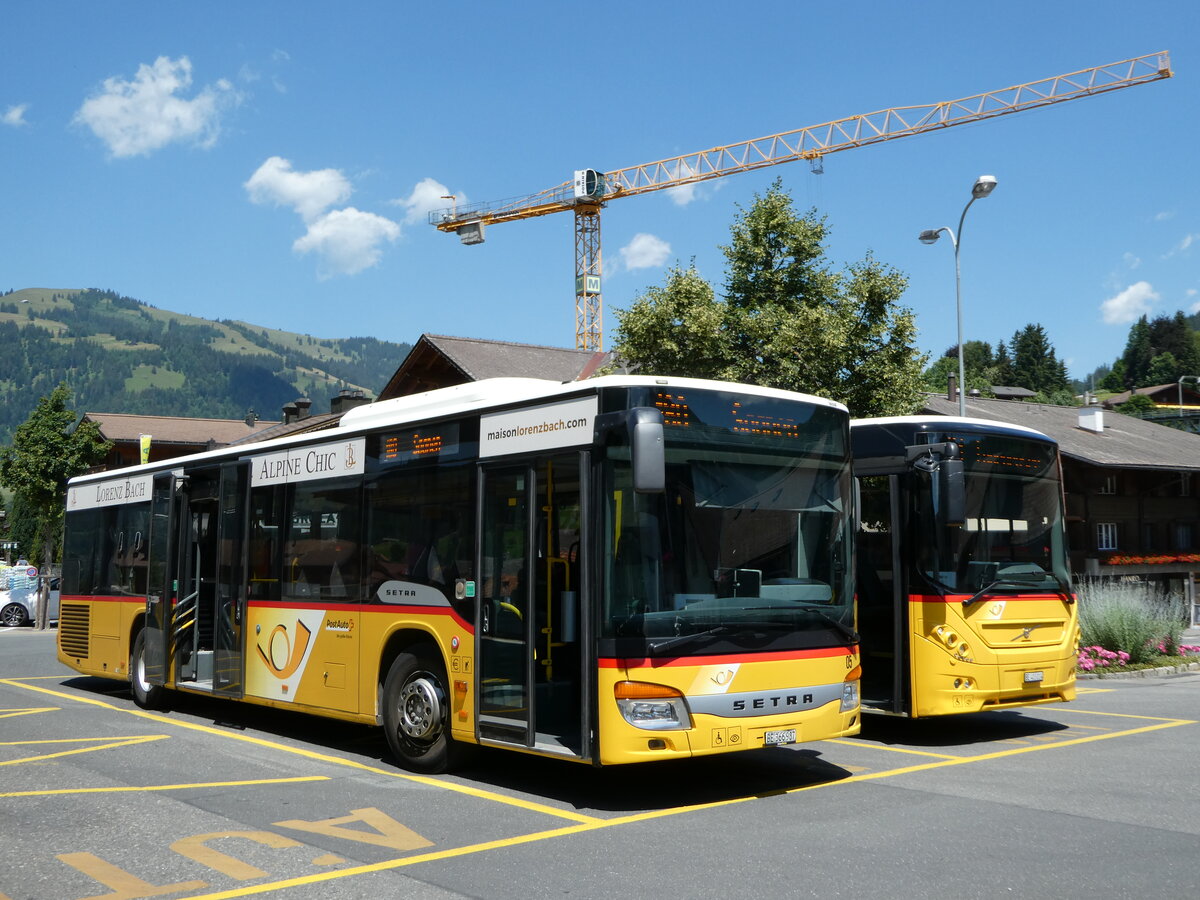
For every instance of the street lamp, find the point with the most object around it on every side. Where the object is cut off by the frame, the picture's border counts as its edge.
(983, 186)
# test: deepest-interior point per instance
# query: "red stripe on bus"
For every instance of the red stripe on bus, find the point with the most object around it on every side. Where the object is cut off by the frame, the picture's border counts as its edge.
(722, 659)
(101, 598)
(959, 598)
(408, 610)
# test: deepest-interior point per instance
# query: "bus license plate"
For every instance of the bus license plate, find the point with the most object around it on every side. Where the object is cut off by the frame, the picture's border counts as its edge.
(775, 738)
(1033, 677)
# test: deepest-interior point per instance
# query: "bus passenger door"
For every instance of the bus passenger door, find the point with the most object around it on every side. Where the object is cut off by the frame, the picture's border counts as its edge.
(504, 622)
(231, 578)
(883, 607)
(531, 626)
(162, 584)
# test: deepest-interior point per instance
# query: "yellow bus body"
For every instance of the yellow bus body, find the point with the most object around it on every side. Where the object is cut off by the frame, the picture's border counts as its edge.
(1000, 652)
(328, 661)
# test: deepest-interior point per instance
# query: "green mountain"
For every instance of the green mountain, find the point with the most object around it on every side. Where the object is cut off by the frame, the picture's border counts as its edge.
(121, 355)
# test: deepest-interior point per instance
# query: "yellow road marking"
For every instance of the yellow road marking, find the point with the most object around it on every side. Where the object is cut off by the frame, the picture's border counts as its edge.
(322, 757)
(584, 823)
(124, 884)
(82, 740)
(1094, 690)
(9, 713)
(597, 825)
(137, 789)
(869, 746)
(139, 740)
(1093, 712)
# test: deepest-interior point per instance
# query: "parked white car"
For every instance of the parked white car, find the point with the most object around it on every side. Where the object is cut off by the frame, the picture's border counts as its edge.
(18, 604)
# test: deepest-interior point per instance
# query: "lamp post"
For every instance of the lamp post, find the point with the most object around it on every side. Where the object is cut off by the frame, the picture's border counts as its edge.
(984, 185)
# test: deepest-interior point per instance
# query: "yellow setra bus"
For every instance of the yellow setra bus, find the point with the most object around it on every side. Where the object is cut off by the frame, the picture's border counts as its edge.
(964, 593)
(610, 571)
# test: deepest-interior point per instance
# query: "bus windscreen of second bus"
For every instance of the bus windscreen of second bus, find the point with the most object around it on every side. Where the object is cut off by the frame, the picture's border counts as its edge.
(748, 547)
(1012, 537)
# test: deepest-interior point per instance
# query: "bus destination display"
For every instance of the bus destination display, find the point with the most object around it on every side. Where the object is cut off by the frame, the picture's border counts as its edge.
(419, 443)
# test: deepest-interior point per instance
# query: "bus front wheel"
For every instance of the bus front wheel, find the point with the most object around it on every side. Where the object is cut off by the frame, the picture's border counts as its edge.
(145, 695)
(416, 713)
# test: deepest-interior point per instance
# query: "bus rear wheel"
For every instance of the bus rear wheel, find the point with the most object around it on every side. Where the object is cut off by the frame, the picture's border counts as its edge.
(416, 713)
(145, 695)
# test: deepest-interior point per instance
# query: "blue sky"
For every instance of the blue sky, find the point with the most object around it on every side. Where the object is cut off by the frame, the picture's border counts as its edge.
(275, 162)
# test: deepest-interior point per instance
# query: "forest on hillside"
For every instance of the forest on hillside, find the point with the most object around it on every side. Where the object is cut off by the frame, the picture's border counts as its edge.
(117, 354)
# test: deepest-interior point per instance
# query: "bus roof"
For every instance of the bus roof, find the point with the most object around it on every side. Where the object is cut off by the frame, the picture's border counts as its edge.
(948, 422)
(475, 396)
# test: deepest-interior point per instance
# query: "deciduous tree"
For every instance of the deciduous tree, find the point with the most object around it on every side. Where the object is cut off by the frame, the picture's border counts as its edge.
(47, 450)
(786, 319)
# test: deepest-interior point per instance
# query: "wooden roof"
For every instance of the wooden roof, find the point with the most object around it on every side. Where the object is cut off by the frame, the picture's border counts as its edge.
(125, 427)
(1127, 442)
(438, 361)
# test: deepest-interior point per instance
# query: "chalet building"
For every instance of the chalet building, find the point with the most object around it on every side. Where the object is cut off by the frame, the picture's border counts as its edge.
(437, 361)
(169, 436)
(1183, 397)
(298, 417)
(1132, 488)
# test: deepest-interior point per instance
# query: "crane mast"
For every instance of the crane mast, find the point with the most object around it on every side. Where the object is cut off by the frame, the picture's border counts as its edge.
(591, 189)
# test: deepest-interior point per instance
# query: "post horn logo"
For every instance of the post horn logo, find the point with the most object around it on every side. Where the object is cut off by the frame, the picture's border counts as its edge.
(282, 656)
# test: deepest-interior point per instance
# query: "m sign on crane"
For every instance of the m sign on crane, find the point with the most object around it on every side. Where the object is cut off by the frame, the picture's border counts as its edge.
(590, 189)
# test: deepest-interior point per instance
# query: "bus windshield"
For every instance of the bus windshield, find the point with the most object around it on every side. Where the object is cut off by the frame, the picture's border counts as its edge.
(748, 547)
(1012, 538)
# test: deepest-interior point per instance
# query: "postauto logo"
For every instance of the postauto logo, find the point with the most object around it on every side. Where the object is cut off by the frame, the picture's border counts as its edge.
(284, 654)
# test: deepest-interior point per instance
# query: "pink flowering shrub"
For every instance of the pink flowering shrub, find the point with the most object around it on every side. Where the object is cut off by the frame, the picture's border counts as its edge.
(1092, 658)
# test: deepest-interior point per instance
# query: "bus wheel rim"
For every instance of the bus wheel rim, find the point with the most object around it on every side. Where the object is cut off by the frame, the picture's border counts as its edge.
(421, 708)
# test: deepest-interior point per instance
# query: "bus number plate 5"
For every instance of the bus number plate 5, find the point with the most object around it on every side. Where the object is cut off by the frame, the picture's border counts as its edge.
(1033, 677)
(775, 738)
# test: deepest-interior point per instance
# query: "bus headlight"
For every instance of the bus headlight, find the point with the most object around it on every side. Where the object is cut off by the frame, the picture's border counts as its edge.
(652, 706)
(850, 699)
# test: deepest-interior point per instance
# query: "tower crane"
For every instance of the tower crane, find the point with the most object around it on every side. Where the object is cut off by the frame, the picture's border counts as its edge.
(590, 189)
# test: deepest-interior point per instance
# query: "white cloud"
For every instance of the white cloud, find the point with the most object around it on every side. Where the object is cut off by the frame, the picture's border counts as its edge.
(427, 196)
(1183, 245)
(15, 115)
(645, 251)
(685, 193)
(347, 240)
(1131, 303)
(1132, 261)
(1164, 215)
(137, 117)
(308, 193)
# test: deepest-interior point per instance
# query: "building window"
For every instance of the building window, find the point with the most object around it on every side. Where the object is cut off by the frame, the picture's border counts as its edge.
(1148, 536)
(1108, 485)
(1106, 535)
(1183, 536)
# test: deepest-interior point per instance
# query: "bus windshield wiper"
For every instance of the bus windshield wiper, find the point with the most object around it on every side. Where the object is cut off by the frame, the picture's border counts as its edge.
(1010, 582)
(845, 630)
(655, 648)
(842, 628)
(1064, 587)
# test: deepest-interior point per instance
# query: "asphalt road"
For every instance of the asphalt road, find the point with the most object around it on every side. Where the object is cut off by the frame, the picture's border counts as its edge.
(99, 799)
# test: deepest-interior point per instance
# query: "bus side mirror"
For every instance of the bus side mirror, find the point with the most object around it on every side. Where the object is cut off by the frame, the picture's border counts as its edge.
(952, 490)
(649, 456)
(642, 428)
(942, 461)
